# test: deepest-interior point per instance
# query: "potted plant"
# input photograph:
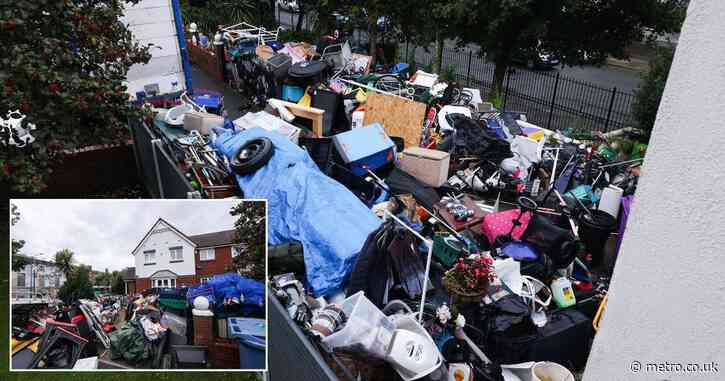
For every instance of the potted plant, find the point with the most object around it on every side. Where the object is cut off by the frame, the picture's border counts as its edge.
(468, 280)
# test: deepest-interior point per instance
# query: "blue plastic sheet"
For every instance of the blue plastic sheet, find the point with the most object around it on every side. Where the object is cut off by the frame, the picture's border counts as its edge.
(230, 285)
(307, 206)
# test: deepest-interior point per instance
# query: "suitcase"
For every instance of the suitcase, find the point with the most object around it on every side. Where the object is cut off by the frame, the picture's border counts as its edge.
(278, 64)
(565, 339)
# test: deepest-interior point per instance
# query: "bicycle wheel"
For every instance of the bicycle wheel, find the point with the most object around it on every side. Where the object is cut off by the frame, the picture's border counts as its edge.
(390, 83)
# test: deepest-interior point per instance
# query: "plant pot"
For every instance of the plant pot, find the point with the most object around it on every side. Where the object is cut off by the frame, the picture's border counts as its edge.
(461, 296)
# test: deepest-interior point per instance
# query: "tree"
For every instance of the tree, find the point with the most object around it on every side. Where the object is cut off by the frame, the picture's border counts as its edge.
(211, 14)
(427, 21)
(64, 261)
(18, 261)
(576, 31)
(649, 93)
(118, 287)
(63, 67)
(251, 228)
(77, 285)
(103, 279)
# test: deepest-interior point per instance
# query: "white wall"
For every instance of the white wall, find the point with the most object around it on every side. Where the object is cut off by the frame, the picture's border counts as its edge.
(161, 242)
(667, 298)
(152, 21)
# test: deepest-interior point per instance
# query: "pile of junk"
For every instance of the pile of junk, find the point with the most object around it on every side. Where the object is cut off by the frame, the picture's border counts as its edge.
(156, 329)
(415, 231)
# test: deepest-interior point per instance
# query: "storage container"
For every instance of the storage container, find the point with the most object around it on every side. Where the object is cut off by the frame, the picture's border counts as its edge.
(365, 148)
(427, 165)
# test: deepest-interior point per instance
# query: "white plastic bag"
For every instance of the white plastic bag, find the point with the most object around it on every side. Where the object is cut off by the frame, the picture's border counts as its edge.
(366, 330)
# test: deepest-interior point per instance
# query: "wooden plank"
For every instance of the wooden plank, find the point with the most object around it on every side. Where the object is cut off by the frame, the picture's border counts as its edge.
(398, 116)
(314, 114)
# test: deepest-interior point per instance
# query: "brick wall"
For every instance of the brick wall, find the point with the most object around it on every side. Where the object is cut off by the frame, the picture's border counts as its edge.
(187, 280)
(143, 284)
(221, 264)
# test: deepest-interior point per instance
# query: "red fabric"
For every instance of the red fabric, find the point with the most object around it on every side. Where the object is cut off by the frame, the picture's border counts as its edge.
(496, 224)
(77, 318)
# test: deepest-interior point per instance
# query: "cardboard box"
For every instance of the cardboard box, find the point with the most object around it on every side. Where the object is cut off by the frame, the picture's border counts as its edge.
(427, 165)
(365, 148)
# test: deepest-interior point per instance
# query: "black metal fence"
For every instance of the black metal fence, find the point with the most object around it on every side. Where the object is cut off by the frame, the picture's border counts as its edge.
(549, 99)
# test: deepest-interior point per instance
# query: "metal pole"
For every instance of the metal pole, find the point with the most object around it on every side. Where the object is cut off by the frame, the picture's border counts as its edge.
(468, 72)
(553, 99)
(506, 92)
(611, 104)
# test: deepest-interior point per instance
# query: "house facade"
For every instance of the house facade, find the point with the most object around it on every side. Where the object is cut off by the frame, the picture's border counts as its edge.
(167, 257)
(39, 278)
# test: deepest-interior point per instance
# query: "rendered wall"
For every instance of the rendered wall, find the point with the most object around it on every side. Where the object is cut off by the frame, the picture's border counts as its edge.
(152, 22)
(667, 298)
(161, 239)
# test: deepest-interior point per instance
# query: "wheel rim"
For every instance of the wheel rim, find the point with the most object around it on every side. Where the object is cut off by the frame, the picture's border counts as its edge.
(249, 151)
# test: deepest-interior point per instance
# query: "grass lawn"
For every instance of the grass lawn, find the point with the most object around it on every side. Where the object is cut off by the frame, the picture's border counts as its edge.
(90, 376)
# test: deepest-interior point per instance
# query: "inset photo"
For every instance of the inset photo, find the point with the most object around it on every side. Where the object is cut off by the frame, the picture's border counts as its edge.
(127, 285)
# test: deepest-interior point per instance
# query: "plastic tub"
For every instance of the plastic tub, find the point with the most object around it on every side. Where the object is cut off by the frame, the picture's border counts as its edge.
(550, 371)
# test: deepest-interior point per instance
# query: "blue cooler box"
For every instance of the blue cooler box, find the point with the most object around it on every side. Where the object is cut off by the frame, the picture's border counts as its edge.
(252, 337)
(365, 148)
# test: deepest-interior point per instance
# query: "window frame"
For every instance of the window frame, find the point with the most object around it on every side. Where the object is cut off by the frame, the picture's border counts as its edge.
(207, 250)
(17, 280)
(146, 257)
(172, 258)
(236, 250)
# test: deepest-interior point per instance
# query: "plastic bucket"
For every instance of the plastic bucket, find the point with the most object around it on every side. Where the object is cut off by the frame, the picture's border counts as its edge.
(550, 371)
(594, 232)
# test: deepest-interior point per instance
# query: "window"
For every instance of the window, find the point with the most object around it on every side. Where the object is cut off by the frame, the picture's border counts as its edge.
(172, 282)
(166, 283)
(21, 280)
(206, 254)
(176, 254)
(236, 250)
(204, 279)
(149, 257)
(41, 268)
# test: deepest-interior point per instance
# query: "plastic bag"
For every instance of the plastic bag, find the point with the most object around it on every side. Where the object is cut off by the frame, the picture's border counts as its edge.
(367, 329)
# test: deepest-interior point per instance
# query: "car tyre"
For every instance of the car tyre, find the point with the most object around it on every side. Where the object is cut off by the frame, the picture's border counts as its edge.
(251, 156)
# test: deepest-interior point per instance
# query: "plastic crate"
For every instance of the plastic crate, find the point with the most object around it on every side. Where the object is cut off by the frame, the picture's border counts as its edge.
(445, 253)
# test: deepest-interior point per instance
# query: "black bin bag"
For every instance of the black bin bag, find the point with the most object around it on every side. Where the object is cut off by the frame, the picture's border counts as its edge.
(557, 243)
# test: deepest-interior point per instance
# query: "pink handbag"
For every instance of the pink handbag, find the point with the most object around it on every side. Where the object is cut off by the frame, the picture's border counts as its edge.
(497, 224)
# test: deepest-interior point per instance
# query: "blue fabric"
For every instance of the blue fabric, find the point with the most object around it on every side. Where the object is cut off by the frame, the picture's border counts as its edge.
(305, 205)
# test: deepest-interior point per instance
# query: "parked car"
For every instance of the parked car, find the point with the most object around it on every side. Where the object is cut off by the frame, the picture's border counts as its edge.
(536, 59)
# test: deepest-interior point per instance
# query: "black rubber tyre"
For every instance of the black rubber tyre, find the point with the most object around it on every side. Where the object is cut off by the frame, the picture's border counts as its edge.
(252, 156)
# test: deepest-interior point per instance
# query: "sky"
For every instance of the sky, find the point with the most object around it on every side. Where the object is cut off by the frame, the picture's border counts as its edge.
(102, 233)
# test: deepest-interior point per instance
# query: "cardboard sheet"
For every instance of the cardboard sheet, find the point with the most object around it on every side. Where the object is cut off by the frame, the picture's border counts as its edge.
(399, 116)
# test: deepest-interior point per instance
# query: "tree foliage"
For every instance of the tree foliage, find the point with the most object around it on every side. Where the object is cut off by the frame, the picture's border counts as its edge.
(211, 14)
(64, 261)
(251, 228)
(18, 261)
(77, 285)
(576, 31)
(64, 67)
(649, 93)
(118, 287)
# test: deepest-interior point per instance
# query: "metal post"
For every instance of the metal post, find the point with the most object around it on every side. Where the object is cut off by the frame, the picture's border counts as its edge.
(611, 104)
(553, 99)
(406, 51)
(506, 91)
(468, 72)
(220, 56)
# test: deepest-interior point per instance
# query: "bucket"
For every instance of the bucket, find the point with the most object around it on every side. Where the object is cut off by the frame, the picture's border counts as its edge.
(594, 232)
(550, 371)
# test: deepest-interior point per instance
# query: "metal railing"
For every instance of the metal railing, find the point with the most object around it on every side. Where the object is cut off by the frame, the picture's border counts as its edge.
(550, 99)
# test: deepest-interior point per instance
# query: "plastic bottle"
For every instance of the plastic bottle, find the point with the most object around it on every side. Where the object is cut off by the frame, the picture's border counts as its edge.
(563, 292)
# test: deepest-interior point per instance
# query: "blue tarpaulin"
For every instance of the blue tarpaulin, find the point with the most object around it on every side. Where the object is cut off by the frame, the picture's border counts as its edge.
(225, 286)
(307, 206)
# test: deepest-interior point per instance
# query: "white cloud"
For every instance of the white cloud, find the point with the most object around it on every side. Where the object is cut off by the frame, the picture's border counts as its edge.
(102, 233)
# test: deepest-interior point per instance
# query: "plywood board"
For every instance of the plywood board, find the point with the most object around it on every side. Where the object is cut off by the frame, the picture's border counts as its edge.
(399, 116)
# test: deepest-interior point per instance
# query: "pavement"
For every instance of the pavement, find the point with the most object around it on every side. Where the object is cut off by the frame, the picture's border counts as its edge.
(232, 98)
